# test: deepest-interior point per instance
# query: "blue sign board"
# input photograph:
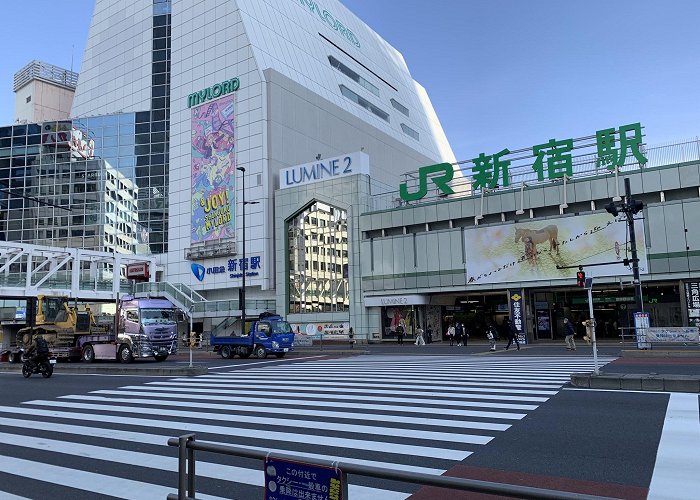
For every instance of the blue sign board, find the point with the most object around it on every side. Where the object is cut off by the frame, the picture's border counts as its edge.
(289, 480)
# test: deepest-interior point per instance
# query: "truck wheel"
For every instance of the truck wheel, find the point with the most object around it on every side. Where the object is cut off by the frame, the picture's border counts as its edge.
(161, 357)
(226, 352)
(125, 355)
(260, 352)
(280, 354)
(88, 354)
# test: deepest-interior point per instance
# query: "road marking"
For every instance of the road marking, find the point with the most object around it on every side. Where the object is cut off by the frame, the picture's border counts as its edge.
(257, 363)
(676, 469)
(321, 440)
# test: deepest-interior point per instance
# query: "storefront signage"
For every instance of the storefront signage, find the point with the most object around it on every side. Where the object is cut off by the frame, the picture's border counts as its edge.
(234, 268)
(552, 160)
(692, 294)
(138, 271)
(291, 480)
(396, 300)
(533, 251)
(331, 21)
(213, 92)
(440, 174)
(517, 313)
(322, 170)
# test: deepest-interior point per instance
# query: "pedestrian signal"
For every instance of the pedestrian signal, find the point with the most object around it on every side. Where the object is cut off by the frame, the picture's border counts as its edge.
(581, 279)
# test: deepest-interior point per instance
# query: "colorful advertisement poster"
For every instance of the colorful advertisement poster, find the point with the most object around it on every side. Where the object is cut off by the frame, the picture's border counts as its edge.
(213, 170)
(532, 251)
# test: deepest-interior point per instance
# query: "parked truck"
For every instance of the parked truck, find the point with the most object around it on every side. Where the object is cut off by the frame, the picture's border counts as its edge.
(146, 328)
(58, 323)
(269, 334)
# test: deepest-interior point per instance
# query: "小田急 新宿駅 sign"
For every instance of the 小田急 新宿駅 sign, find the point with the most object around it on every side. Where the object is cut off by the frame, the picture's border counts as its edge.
(553, 160)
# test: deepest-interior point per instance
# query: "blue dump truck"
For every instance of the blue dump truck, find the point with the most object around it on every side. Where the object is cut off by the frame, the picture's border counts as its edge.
(269, 334)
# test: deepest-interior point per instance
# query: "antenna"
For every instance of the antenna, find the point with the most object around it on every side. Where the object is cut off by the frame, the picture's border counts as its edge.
(72, 50)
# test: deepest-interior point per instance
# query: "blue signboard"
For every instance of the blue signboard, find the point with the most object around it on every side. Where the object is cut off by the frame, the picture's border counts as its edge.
(289, 480)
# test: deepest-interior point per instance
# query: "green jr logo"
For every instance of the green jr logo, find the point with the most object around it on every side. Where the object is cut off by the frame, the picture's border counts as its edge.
(445, 171)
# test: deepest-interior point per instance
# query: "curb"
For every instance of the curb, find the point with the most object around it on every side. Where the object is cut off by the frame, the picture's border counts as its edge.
(654, 353)
(118, 370)
(637, 382)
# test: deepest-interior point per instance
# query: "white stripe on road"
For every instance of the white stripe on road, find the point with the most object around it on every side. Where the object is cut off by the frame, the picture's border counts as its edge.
(320, 440)
(364, 417)
(422, 410)
(278, 385)
(256, 363)
(676, 471)
(289, 398)
(253, 477)
(88, 481)
(345, 391)
(159, 440)
(311, 425)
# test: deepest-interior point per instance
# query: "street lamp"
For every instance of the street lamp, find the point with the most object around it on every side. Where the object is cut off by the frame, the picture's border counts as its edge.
(241, 294)
(630, 207)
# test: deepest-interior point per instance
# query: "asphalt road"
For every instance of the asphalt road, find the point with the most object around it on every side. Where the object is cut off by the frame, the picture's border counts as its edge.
(508, 418)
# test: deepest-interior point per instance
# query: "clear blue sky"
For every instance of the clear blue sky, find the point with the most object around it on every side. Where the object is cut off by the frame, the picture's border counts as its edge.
(500, 73)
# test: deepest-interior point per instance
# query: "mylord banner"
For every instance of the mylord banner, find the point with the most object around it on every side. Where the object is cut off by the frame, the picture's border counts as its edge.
(213, 170)
(532, 251)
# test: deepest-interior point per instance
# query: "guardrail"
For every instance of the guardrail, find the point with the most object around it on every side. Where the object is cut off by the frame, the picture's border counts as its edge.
(187, 445)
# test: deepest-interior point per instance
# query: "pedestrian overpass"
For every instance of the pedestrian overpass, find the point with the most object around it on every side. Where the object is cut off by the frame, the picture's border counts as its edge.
(90, 276)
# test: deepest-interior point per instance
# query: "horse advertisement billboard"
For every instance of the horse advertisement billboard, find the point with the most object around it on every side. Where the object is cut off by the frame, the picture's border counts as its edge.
(531, 251)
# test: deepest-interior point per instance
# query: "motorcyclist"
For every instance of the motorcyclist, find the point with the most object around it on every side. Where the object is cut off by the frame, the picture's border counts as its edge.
(38, 350)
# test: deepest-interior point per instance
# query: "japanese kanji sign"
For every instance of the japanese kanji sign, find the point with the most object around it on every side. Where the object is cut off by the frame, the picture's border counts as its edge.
(554, 160)
(288, 480)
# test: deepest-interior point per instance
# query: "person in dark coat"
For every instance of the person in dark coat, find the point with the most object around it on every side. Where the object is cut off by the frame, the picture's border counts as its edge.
(511, 332)
(569, 335)
(459, 333)
(400, 330)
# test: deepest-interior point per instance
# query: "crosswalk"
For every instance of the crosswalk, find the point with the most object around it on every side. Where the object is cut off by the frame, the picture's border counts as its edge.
(416, 414)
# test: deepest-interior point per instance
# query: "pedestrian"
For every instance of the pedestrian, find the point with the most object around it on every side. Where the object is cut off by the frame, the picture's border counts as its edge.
(400, 331)
(351, 337)
(465, 335)
(491, 336)
(512, 333)
(419, 336)
(589, 331)
(429, 335)
(459, 334)
(451, 334)
(569, 335)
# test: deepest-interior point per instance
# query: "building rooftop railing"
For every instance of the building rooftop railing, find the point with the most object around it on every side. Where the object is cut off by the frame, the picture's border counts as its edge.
(44, 71)
(521, 172)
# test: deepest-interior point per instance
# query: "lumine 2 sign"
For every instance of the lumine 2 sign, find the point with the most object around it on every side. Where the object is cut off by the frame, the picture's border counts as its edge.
(552, 160)
(213, 92)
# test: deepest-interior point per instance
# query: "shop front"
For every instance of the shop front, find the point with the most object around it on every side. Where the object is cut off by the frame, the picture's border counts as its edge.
(409, 311)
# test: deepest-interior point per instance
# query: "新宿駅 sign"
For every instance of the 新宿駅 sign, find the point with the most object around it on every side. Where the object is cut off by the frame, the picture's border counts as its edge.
(553, 160)
(213, 92)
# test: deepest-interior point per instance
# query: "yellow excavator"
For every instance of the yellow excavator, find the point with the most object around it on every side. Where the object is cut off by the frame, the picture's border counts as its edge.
(58, 322)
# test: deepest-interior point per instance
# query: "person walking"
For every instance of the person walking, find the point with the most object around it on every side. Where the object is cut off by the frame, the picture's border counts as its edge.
(419, 336)
(429, 335)
(589, 331)
(491, 336)
(459, 334)
(451, 334)
(569, 335)
(400, 331)
(512, 333)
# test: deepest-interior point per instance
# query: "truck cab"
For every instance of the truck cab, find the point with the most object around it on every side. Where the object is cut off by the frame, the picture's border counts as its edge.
(148, 327)
(270, 334)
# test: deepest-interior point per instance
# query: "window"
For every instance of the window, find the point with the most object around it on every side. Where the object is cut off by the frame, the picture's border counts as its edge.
(409, 131)
(399, 107)
(352, 75)
(364, 103)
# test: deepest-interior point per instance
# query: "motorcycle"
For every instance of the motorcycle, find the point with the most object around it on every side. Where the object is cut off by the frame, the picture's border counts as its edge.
(32, 366)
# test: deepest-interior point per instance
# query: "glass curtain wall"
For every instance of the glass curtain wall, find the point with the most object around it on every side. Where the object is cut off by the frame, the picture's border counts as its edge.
(318, 260)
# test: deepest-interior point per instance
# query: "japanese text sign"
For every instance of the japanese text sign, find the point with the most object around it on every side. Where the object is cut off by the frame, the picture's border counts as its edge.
(289, 480)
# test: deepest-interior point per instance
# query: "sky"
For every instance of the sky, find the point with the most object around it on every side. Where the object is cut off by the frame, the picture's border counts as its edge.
(500, 73)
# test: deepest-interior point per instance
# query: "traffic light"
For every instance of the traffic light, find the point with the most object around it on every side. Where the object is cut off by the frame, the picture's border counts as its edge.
(581, 279)
(612, 208)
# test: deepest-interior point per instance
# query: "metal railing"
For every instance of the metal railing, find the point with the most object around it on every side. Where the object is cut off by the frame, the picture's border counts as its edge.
(187, 445)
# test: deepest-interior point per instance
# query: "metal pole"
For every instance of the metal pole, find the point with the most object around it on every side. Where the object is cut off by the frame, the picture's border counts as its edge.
(633, 247)
(595, 346)
(243, 264)
(190, 338)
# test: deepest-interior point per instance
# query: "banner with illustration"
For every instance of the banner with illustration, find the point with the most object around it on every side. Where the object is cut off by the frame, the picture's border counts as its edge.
(213, 170)
(530, 251)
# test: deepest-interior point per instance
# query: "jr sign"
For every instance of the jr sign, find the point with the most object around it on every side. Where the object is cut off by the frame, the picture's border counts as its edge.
(441, 174)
